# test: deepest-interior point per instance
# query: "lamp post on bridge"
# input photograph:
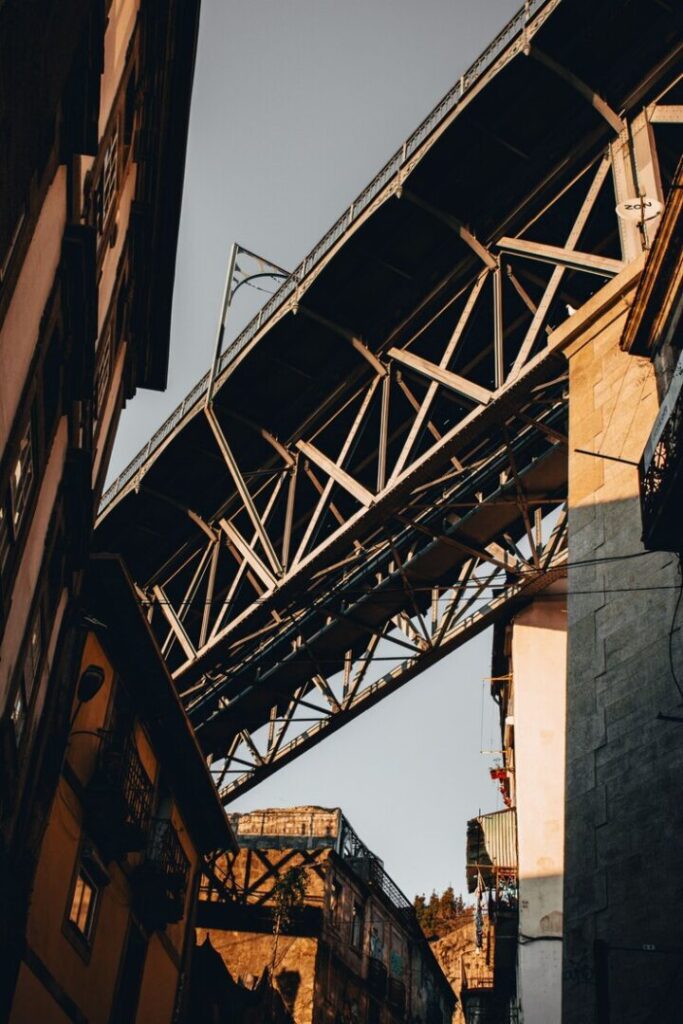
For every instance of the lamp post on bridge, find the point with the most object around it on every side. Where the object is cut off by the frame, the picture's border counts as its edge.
(232, 283)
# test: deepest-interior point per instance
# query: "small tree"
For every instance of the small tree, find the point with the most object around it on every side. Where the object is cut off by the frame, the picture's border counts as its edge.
(289, 894)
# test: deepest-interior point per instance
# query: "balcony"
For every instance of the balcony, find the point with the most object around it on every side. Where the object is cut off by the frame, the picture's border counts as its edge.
(160, 882)
(118, 799)
(661, 473)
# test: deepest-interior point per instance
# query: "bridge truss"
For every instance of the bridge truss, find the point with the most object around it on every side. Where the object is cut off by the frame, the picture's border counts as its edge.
(379, 470)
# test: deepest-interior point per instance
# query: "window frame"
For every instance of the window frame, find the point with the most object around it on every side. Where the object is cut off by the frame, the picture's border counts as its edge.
(82, 942)
(29, 423)
(357, 926)
(23, 691)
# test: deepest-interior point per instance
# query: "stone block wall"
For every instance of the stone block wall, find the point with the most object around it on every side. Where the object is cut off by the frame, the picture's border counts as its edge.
(624, 814)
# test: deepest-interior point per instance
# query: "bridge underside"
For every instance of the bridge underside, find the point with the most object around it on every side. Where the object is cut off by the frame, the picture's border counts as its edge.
(381, 470)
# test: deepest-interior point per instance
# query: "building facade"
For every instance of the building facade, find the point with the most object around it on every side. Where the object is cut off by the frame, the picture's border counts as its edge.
(112, 913)
(94, 103)
(515, 856)
(353, 952)
(624, 750)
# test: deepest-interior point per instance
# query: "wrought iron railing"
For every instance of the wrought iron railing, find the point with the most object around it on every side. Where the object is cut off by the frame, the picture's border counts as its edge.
(370, 867)
(119, 797)
(513, 30)
(165, 853)
(159, 883)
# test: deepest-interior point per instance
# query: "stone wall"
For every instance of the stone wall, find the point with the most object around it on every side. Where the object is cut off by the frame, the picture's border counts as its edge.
(624, 814)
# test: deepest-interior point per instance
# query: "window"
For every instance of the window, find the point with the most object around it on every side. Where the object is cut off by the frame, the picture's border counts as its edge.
(83, 905)
(18, 715)
(5, 539)
(110, 177)
(102, 368)
(21, 479)
(130, 977)
(33, 655)
(28, 675)
(335, 903)
(129, 108)
(357, 926)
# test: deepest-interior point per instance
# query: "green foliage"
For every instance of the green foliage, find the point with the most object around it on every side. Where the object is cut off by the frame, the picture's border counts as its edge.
(441, 913)
(289, 894)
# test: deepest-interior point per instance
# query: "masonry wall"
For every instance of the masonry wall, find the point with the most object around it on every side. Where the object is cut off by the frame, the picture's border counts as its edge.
(624, 814)
(539, 660)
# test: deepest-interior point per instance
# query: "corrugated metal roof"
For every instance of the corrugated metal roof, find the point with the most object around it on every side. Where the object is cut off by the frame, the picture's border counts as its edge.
(491, 843)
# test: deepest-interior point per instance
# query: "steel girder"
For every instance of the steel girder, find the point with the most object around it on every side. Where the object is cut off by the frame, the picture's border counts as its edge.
(411, 503)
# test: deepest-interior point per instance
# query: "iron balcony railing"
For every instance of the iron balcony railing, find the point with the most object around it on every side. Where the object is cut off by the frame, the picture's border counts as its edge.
(369, 867)
(166, 855)
(118, 798)
(160, 882)
(513, 30)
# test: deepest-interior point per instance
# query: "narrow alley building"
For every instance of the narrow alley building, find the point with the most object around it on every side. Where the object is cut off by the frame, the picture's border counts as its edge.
(94, 106)
(353, 952)
(111, 924)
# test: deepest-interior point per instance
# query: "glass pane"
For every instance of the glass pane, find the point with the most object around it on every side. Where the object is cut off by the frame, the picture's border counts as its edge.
(83, 903)
(21, 478)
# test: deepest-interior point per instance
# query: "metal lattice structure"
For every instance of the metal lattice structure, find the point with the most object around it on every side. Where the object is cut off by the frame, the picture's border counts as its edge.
(378, 471)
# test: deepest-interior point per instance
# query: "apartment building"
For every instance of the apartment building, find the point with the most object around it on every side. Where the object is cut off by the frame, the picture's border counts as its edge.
(353, 950)
(94, 103)
(112, 912)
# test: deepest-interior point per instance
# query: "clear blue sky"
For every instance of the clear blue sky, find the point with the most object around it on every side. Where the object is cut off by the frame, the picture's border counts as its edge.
(296, 105)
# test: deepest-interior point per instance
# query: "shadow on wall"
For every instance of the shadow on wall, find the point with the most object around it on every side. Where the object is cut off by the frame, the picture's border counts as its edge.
(623, 949)
(216, 998)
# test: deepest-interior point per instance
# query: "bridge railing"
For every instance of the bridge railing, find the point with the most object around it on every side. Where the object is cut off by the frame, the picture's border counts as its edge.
(446, 105)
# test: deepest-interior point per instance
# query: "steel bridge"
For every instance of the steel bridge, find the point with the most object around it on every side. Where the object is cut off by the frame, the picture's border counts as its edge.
(379, 471)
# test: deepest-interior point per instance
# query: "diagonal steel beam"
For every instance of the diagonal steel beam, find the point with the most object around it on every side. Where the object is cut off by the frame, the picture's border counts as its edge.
(339, 475)
(463, 387)
(603, 108)
(603, 266)
(242, 489)
(448, 354)
(553, 285)
(248, 554)
(457, 225)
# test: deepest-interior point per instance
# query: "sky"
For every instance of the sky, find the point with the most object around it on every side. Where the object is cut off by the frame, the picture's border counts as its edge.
(296, 106)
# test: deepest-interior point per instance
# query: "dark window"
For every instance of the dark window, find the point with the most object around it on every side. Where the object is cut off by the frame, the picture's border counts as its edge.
(18, 715)
(130, 977)
(5, 538)
(357, 926)
(21, 479)
(110, 176)
(33, 653)
(103, 361)
(129, 109)
(335, 902)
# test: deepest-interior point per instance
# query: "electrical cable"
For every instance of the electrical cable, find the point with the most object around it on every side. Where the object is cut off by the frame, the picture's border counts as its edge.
(531, 573)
